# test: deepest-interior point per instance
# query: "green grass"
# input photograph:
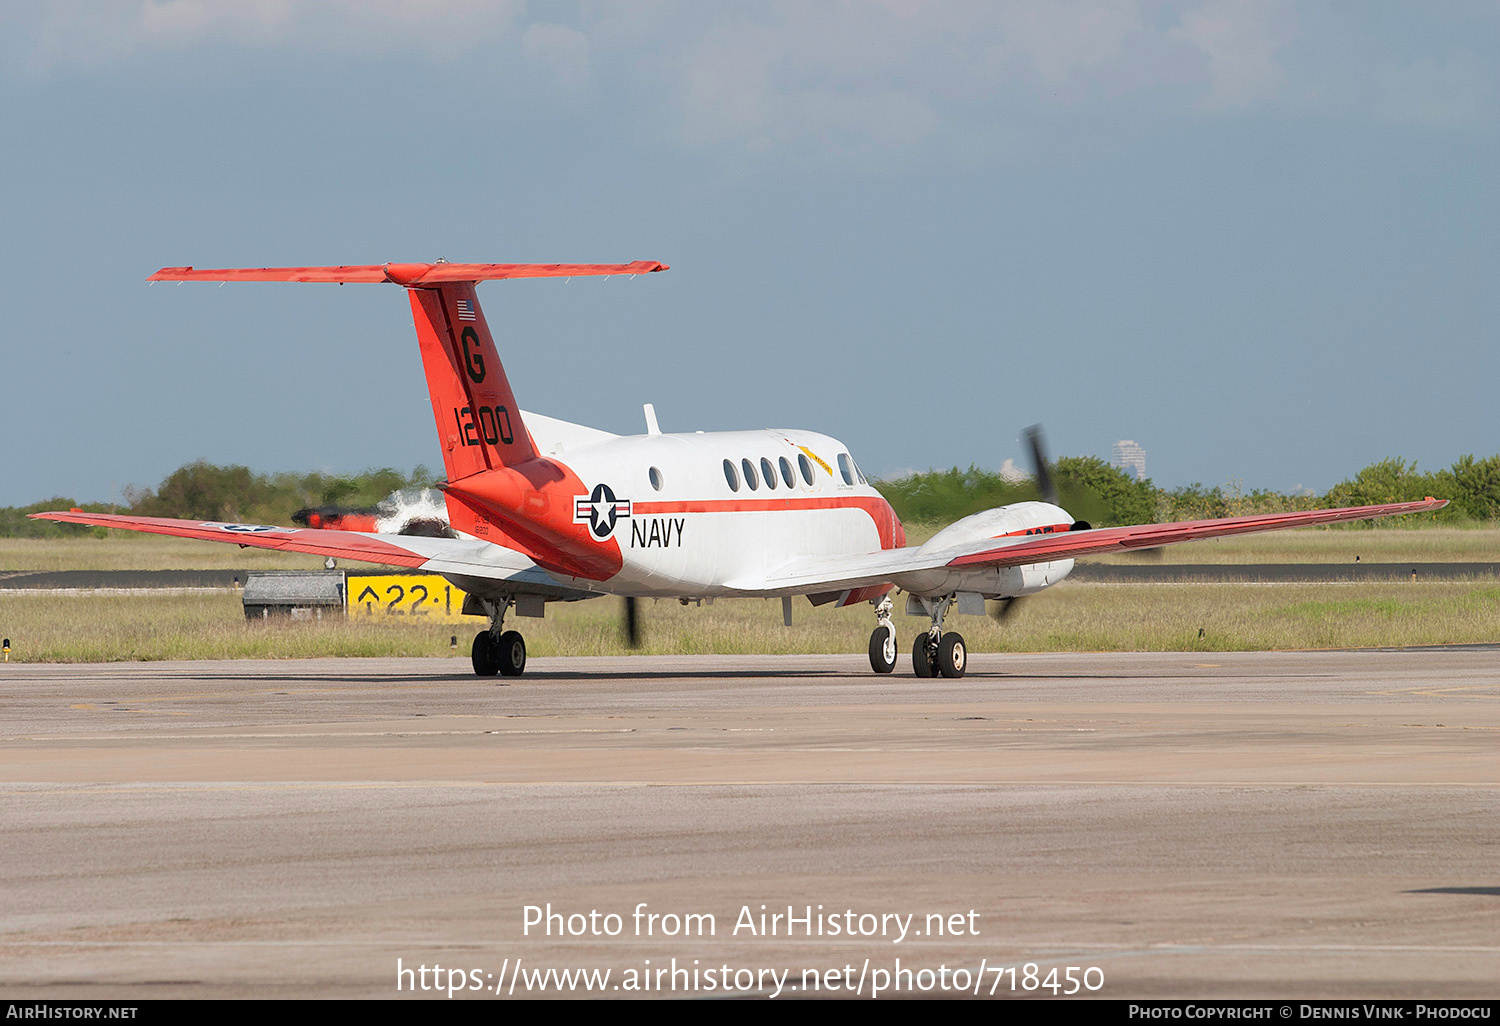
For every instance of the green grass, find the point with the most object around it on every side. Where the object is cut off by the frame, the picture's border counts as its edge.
(93, 627)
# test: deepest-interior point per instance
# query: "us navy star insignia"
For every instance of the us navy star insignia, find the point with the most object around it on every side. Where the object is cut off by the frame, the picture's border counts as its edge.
(600, 510)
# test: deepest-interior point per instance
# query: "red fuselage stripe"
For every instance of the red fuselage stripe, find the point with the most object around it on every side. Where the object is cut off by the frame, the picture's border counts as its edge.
(757, 505)
(1047, 529)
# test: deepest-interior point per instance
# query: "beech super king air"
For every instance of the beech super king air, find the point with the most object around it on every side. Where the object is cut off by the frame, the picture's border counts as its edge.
(542, 510)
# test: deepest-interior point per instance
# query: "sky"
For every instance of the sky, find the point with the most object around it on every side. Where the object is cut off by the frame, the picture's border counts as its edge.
(1259, 239)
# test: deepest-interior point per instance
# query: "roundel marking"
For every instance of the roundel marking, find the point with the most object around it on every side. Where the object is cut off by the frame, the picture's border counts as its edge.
(601, 510)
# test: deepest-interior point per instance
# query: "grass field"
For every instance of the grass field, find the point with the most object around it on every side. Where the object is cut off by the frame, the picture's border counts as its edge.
(122, 551)
(62, 627)
(1074, 617)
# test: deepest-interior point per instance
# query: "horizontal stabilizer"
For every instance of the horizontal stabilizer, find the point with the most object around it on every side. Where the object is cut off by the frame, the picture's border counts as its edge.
(409, 275)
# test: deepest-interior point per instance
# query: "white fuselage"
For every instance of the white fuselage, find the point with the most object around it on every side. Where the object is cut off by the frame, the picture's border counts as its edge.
(694, 515)
(692, 529)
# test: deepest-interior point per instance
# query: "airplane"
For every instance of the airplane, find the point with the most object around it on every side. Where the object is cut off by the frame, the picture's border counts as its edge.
(542, 510)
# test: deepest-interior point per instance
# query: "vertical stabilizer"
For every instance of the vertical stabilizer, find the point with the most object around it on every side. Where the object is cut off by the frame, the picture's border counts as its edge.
(497, 488)
(479, 426)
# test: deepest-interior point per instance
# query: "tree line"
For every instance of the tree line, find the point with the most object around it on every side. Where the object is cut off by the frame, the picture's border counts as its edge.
(1107, 496)
(1089, 488)
(205, 491)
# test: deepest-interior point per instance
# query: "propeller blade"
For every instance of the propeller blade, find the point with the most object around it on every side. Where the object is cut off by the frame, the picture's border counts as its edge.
(632, 623)
(1004, 609)
(1044, 483)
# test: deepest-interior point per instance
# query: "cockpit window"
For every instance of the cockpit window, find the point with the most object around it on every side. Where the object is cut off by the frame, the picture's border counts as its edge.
(846, 468)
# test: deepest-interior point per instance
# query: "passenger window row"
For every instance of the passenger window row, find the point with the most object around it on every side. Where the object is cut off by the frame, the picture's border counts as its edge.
(767, 472)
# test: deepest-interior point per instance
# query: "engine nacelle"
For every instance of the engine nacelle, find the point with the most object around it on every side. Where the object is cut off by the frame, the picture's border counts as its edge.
(1018, 520)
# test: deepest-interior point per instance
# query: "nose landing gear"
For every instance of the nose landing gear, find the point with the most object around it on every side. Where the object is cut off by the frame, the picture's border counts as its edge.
(883, 640)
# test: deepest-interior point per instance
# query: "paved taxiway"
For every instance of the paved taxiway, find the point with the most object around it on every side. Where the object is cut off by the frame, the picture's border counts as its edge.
(1266, 824)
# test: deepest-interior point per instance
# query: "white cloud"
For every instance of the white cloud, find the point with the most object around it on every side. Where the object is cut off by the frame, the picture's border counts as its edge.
(90, 33)
(824, 81)
(1240, 42)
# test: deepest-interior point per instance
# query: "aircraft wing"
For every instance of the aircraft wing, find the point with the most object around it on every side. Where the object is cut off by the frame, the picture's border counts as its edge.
(900, 566)
(469, 557)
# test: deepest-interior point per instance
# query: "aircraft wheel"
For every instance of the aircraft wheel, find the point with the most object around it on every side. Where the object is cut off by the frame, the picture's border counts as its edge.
(951, 655)
(883, 649)
(511, 654)
(483, 655)
(921, 662)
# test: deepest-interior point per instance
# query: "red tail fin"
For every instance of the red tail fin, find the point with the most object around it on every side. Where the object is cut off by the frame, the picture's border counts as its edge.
(478, 424)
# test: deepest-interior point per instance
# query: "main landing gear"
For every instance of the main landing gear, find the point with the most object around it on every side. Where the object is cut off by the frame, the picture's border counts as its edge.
(933, 653)
(496, 651)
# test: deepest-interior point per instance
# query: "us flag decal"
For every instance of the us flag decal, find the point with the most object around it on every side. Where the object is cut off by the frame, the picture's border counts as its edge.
(465, 310)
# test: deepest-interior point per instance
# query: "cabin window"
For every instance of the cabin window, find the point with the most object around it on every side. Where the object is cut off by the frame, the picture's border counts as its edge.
(751, 480)
(768, 472)
(732, 476)
(786, 472)
(806, 465)
(846, 468)
(655, 476)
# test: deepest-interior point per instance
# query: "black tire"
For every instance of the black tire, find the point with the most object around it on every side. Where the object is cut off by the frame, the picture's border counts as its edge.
(952, 655)
(921, 662)
(883, 649)
(483, 655)
(510, 654)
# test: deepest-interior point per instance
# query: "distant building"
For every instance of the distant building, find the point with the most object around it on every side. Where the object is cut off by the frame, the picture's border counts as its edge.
(1129, 456)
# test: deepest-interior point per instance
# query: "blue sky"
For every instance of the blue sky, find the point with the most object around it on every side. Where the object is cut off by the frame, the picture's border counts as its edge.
(1260, 239)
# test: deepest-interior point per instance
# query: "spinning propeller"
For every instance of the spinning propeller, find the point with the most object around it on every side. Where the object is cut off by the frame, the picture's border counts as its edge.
(1004, 609)
(631, 624)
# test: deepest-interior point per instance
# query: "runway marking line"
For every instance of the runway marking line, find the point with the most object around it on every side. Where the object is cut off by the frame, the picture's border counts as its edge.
(1440, 692)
